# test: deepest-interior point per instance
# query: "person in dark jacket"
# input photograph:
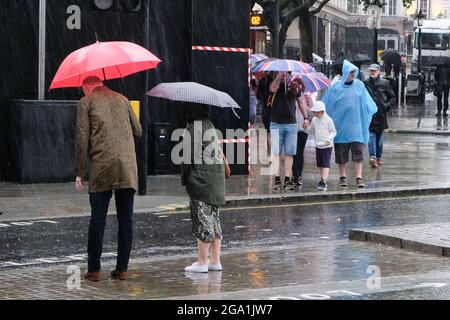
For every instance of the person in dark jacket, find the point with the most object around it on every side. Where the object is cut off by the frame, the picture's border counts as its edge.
(253, 101)
(204, 178)
(384, 97)
(263, 94)
(442, 78)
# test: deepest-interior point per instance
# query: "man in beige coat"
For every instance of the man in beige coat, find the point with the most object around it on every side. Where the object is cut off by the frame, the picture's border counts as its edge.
(105, 127)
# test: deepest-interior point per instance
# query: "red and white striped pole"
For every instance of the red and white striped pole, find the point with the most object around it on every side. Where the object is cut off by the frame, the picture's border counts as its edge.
(228, 49)
(239, 50)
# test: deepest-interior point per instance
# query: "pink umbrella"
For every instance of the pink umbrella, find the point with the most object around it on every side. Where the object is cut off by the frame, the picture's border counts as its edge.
(285, 65)
(313, 81)
(105, 60)
(258, 57)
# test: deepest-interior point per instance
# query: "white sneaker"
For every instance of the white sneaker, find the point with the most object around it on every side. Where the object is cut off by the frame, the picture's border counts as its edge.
(196, 267)
(215, 267)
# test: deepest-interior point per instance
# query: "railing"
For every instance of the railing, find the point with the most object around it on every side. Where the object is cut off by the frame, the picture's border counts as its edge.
(325, 68)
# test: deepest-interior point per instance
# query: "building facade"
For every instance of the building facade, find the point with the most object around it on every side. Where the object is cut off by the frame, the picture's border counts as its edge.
(342, 27)
(394, 32)
(329, 27)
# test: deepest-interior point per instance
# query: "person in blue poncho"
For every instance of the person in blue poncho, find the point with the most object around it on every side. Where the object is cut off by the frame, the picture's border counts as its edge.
(351, 107)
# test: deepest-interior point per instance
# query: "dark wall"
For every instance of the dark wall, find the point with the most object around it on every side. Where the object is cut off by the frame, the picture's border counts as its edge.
(109, 25)
(169, 31)
(223, 23)
(43, 136)
(170, 38)
(18, 65)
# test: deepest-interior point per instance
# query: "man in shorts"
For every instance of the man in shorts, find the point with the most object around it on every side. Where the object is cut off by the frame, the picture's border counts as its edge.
(351, 107)
(283, 127)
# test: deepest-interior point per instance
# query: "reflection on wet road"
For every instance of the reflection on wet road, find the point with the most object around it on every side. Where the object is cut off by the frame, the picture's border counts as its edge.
(299, 252)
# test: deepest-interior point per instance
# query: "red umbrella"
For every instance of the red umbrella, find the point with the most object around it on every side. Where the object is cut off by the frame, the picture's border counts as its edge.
(105, 60)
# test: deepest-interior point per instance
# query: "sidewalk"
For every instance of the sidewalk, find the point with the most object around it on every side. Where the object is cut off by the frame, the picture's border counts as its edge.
(333, 267)
(414, 165)
(418, 119)
(428, 238)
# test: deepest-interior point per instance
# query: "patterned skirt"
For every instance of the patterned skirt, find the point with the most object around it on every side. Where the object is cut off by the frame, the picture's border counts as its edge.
(205, 221)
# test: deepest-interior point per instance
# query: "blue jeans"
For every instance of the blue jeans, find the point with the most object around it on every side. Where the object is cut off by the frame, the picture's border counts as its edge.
(376, 141)
(284, 139)
(99, 208)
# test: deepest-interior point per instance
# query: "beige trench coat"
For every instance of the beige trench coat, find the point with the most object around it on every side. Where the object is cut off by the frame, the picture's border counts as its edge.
(104, 132)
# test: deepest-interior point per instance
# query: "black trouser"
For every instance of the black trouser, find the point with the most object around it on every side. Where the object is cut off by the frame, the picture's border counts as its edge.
(443, 93)
(99, 209)
(297, 166)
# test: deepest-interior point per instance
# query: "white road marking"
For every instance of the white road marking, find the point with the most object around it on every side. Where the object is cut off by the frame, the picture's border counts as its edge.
(432, 285)
(25, 223)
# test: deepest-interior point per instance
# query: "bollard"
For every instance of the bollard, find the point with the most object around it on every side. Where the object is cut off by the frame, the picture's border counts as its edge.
(402, 88)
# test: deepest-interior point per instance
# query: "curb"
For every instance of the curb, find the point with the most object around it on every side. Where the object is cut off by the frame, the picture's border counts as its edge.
(393, 241)
(282, 199)
(419, 132)
(335, 196)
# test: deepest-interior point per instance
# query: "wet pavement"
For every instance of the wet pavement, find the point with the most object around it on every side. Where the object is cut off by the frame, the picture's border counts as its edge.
(264, 226)
(410, 161)
(291, 251)
(418, 118)
(305, 272)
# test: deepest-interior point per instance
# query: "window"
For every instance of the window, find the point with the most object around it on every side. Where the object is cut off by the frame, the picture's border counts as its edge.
(391, 44)
(433, 41)
(424, 5)
(392, 7)
(381, 45)
(352, 6)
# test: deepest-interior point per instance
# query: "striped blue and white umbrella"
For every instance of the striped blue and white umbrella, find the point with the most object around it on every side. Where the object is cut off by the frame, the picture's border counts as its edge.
(314, 81)
(193, 92)
(258, 57)
(285, 65)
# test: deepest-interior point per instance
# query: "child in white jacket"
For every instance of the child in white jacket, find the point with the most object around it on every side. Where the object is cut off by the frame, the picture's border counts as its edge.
(322, 127)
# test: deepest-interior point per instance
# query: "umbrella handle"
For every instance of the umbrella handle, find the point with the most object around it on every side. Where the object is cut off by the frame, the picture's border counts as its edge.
(232, 109)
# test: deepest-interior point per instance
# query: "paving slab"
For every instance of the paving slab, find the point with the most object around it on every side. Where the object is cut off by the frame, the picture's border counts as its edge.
(428, 238)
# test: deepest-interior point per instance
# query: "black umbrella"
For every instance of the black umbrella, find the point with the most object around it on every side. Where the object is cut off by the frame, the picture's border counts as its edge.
(359, 58)
(391, 56)
(356, 58)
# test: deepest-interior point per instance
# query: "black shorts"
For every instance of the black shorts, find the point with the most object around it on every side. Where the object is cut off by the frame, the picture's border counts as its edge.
(341, 151)
(323, 157)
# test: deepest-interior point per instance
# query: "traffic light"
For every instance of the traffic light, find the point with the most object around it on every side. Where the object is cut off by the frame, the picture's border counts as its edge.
(128, 5)
(118, 5)
(103, 4)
